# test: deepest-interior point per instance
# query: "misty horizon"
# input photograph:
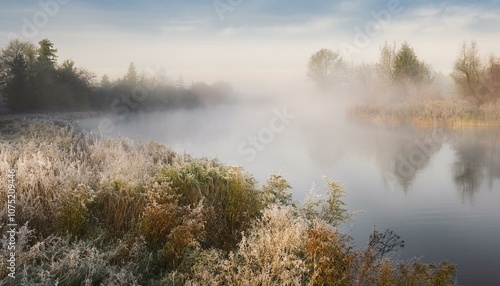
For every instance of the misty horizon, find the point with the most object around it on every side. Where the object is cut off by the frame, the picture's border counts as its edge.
(252, 43)
(250, 142)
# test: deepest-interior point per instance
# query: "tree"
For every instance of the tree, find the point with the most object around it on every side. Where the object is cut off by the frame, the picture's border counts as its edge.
(105, 83)
(72, 86)
(492, 79)
(385, 66)
(467, 73)
(325, 67)
(43, 81)
(407, 67)
(131, 77)
(47, 53)
(16, 74)
(179, 83)
(16, 89)
(31, 80)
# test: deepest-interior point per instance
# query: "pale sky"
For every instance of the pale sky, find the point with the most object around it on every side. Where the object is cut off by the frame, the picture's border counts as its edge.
(246, 42)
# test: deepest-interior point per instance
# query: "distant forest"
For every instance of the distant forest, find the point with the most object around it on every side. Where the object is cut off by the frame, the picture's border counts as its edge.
(402, 89)
(32, 80)
(400, 76)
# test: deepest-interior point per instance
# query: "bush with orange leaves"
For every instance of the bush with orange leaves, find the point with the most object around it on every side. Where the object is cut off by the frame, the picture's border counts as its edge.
(328, 255)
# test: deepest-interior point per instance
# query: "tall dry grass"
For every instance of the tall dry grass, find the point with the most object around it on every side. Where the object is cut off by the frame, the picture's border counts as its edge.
(442, 112)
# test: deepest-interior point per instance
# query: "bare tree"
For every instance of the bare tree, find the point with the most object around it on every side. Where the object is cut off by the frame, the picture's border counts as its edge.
(467, 73)
(385, 66)
(492, 78)
(325, 68)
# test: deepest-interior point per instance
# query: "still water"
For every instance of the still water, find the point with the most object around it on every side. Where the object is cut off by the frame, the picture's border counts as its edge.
(438, 188)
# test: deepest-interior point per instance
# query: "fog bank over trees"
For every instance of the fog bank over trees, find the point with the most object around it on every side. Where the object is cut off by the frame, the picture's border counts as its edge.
(32, 80)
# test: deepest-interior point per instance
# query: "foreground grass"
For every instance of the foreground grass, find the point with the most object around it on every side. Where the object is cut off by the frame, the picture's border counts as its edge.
(443, 112)
(115, 212)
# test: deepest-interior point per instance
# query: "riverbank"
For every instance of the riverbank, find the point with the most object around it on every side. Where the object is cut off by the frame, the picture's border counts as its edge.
(57, 116)
(443, 113)
(118, 212)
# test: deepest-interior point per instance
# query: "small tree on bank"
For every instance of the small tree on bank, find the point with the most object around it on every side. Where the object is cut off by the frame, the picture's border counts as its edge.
(325, 68)
(402, 76)
(407, 67)
(385, 65)
(467, 73)
(493, 78)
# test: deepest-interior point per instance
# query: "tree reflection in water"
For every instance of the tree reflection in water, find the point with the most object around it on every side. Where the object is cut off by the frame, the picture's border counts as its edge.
(477, 157)
(401, 153)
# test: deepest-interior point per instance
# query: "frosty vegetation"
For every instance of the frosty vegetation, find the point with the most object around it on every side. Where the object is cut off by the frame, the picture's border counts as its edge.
(115, 212)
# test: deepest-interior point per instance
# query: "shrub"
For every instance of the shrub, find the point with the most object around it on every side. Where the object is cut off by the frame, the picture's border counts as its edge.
(332, 210)
(229, 196)
(275, 191)
(270, 254)
(328, 256)
(170, 227)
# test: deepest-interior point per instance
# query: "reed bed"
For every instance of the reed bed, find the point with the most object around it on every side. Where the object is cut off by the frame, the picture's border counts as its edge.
(443, 112)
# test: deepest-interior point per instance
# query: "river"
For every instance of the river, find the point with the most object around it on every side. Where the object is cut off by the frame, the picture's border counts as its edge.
(438, 188)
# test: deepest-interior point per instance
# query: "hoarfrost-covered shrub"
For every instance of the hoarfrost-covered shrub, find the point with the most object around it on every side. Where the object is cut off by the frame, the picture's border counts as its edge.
(331, 209)
(171, 227)
(271, 254)
(328, 255)
(275, 191)
(230, 197)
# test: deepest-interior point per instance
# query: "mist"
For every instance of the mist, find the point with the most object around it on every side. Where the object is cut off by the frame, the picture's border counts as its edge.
(376, 97)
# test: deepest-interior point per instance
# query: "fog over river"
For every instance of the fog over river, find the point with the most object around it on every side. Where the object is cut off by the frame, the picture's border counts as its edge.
(438, 188)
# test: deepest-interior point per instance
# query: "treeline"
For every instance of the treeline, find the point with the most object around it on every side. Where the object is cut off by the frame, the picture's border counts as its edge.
(400, 76)
(32, 80)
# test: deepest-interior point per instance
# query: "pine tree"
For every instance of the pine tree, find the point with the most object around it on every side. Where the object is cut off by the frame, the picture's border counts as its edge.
(131, 77)
(47, 53)
(408, 67)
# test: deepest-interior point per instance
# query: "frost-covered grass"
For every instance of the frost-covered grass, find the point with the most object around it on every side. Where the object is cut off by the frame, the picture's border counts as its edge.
(116, 212)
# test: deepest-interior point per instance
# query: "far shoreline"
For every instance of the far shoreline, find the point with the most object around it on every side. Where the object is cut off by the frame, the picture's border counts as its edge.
(445, 113)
